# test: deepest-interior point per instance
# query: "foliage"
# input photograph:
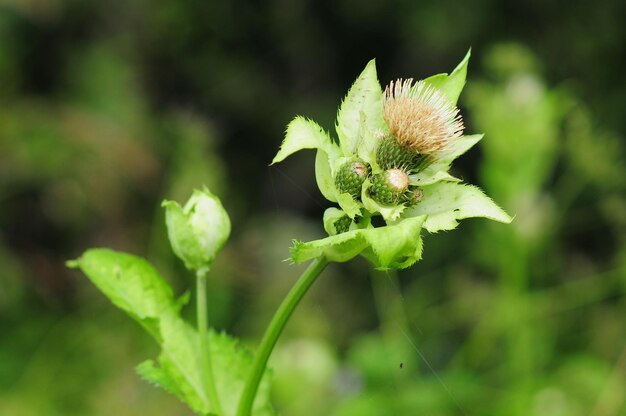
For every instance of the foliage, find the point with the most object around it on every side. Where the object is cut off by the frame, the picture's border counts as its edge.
(109, 109)
(136, 288)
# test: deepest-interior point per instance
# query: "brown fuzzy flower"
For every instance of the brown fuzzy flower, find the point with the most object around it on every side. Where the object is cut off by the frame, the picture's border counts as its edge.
(420, 117)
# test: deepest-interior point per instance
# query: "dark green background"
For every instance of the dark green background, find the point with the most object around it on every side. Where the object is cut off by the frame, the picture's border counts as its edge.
(108, 107)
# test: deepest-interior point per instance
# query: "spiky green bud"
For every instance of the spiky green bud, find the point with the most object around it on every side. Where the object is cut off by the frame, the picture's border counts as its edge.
(389, 187)
(390, 154)
(350, 177)
(413, 195)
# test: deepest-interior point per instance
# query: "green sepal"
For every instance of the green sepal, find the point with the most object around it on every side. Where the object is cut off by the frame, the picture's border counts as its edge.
(445, 203)
(451, 85)
(392, 246)
(363, 105)
(305, 134)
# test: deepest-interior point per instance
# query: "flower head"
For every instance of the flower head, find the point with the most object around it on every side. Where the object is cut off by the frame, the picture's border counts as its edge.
(420, 117)
(391, 159)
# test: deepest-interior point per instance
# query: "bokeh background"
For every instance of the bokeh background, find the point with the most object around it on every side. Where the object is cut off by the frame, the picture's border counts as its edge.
(108, 107)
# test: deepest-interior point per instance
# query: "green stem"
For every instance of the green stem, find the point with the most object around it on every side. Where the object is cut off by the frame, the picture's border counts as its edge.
(205, 353)
(274, 330)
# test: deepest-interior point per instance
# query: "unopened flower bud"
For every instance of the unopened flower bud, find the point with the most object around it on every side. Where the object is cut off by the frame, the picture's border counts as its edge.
(413, 195)
(389, 187)
(198, 230)
(390, 154)
(350, 177)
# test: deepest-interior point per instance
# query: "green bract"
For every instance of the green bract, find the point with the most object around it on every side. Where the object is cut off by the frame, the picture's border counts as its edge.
(198, 230)
(434, 200)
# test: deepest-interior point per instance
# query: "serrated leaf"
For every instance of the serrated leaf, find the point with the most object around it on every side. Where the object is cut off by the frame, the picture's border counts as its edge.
(134, 286)
(305, 134)
(392, 246)
(324, 176)
(445, 203)
(364, 99)
(158, 377)
(231, 365)
(413, 250)
(178, 365)
(179, 358)
(131, 283)
(451, 85)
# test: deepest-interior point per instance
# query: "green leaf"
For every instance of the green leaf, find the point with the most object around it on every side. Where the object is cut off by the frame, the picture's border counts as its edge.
(179, 372)
(131, 283)
(451, 85)
(231, 365)
(369, 138)
(179, 358)
(324, 176)
(134, 286)
(445, 203)
(457, 147)
(392, 246)
(364, 101)
(305, 134)
(438, 169)
(160, 378)
(395, 246)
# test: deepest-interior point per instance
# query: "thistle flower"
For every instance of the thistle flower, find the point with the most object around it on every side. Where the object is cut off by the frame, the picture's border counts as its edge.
(403, 141)
(420, 118)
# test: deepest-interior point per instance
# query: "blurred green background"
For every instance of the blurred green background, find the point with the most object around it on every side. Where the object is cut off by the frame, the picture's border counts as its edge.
(108, 107)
